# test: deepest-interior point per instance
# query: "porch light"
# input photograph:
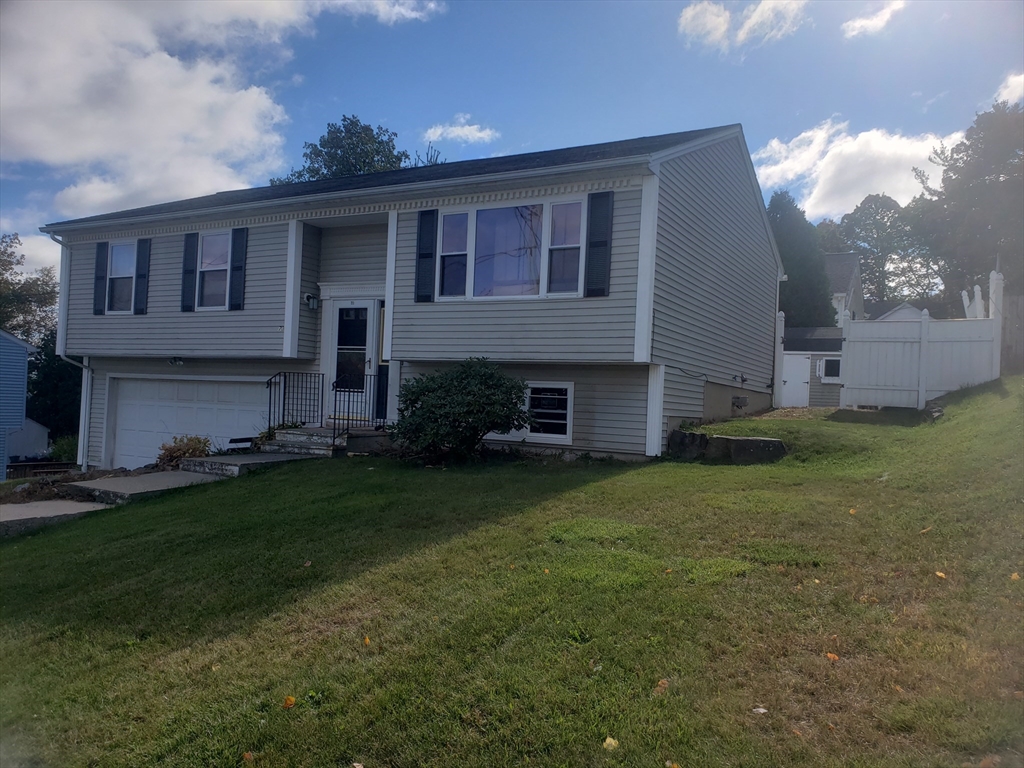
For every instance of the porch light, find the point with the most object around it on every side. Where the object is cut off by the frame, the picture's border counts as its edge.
(313, 302)
(175, 361)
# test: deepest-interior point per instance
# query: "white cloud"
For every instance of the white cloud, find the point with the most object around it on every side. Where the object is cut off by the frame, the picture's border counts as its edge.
(138, 103)
(1012, 89)
(872, 25)
(706, 22)
(831, 170)
(462, 131)
(771, 20)
(711, 23)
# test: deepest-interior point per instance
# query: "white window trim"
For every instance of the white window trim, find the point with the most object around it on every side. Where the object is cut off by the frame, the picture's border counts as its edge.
(821, 370)
(200, 270)
(135, 268)
(526, 436)
(545, 248)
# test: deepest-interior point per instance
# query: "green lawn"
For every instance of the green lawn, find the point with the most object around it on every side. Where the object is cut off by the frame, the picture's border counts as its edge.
(520, 613)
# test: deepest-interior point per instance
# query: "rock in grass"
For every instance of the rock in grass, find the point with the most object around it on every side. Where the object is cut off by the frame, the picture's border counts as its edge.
(688, 446)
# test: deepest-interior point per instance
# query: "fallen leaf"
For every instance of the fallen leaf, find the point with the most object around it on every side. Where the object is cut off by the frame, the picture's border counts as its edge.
(759, 711)
(1015, 576)
(358, 765)
(307, 563)
(247, 756)
(366, 640)
(831, 727)
(610, 744)
(215, 667)
(940, 574)
(670, 764)
(660, 688)
(831, 656)
(900, 690)
(853, 511)
(511, 566)
(797, 733)
(289, 702)
(817, 582)
(668, 570)
(992, 761)
(546, 571)
(926, 529)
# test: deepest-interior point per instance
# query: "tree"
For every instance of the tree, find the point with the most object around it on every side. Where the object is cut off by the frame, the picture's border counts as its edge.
(54, 389)
(972, 222)
(893, 263)
(804, 297)
(28, 302)
(349, 149)
(831, 238)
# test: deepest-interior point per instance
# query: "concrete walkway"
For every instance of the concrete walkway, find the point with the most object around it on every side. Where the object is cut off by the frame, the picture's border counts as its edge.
(16, 519)
(117, 490)
(233, 465)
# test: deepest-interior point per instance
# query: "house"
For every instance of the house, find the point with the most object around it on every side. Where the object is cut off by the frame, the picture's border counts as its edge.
(633, 284)
(843, 272)
(13, 382)
(904, 311)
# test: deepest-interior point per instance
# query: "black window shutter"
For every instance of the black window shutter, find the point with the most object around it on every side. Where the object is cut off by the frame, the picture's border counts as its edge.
(188, 272)
(239, 243)
(426, 246)
(599, 244)
(99, 287)
(142, 249)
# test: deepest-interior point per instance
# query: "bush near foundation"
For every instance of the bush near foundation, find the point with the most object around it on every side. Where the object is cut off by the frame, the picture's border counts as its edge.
(447, 413)
(183, 447)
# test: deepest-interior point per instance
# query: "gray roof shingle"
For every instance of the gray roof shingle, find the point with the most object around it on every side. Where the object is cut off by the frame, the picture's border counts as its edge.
(465, 169)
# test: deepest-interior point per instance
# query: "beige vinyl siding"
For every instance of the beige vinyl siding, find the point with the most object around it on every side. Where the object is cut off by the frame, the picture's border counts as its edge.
(715, 277)
(309, 319)
(822, 395)
(543, 329)
(684, 400)
(101, 367)
(354, 255)
(609, 407)
(256, 331)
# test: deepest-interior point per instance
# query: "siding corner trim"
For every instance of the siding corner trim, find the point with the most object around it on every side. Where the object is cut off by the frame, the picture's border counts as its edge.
(644, 326)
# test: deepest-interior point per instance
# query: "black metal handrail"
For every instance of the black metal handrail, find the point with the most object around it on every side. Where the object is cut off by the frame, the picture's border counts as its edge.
(295, 398)
(359, 401)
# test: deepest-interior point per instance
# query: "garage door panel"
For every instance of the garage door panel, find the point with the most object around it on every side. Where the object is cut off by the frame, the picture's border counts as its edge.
(149, 412)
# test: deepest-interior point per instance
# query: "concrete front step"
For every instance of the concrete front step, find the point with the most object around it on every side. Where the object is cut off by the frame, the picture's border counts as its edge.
(309, 435)
(302, 449)
(237, 464)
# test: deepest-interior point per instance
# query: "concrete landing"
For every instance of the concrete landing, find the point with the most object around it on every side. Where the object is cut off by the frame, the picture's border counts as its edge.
(237, 464)
(16, 519)
(118, 490)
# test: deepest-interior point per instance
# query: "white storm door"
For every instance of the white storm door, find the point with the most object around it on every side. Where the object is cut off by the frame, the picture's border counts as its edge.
(350, 353)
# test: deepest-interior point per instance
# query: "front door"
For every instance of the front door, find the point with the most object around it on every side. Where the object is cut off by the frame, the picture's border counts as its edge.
(796, 381)
(351, 355)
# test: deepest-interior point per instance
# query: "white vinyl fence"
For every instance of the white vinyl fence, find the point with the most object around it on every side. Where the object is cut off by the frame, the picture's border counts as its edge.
(905, 363)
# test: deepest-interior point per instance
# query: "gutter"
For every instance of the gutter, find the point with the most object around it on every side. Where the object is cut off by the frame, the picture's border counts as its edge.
(307, 201)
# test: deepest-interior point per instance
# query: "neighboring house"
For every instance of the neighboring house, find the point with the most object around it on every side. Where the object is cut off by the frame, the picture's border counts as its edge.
(633, 284)
(13, 382)
(843, 270)
(32, 441)
(810, 367)
(904, 311)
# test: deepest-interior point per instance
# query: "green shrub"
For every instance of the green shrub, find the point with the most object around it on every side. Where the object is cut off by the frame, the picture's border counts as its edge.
(449, 412)
(65, 448)
(183, 447)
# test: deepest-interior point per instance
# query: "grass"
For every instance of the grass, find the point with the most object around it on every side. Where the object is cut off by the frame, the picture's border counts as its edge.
(520, 613)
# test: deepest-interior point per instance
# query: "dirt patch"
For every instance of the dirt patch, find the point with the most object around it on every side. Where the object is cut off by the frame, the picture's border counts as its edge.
(54, 486)
(804, 414)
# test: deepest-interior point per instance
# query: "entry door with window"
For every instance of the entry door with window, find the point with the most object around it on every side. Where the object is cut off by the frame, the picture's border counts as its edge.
(352, 362)
(351, 357)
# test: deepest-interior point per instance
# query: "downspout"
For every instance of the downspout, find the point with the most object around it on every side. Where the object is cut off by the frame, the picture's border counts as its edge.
(86, 400)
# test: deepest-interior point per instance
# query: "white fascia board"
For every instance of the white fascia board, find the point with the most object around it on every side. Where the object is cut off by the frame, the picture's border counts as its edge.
(293, 281)
(692, 146)
(389, 288)
(655, 408)
(62, 299)
(373, 194)
(644, 325)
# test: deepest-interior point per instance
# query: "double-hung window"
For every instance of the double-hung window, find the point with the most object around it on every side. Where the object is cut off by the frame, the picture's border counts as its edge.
(214, 258)
(121, 277)
(517, 251)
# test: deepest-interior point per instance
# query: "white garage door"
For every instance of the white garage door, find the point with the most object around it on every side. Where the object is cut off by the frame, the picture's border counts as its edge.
(149, 412)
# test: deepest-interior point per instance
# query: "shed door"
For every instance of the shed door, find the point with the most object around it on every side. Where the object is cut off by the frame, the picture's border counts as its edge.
(796, 381)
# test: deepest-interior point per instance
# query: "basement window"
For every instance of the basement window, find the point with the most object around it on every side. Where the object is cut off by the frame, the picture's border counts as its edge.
(828, 370)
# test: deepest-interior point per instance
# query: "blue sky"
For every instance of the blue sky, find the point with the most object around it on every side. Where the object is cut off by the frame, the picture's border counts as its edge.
(109, 105)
